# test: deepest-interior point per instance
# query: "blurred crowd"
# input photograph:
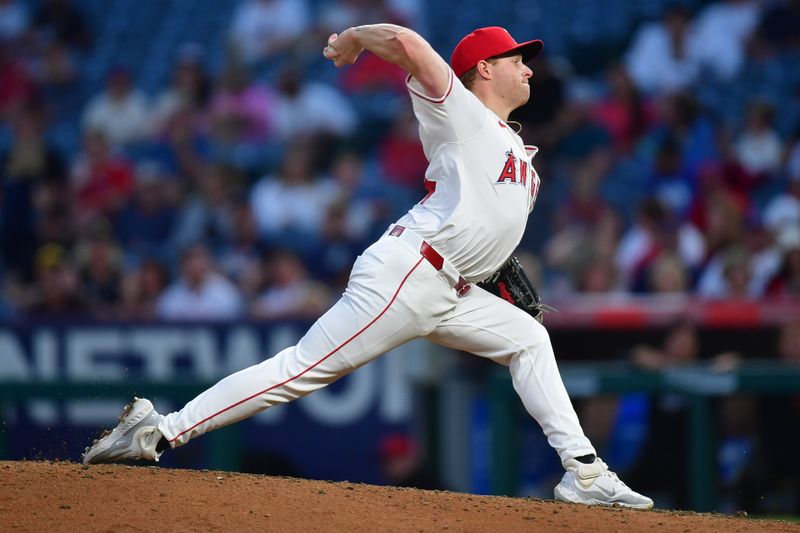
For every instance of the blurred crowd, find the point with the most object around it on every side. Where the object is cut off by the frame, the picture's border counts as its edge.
(248, 190)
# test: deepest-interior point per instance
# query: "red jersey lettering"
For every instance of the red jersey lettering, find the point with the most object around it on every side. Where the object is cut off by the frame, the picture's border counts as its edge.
(535, 183)
(509, 172)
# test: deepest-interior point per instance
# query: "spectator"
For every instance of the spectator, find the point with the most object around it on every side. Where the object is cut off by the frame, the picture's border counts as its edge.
(190, 89)
(375, 82)
(290, 293)
(63, 22)
(289, 208)
(310, 109)
(207, 216)
(722, 209)
(786, 282)
(585, 232)
(370, 203)
(54, 67)
(362, 209)
(671, 182)
(783, 210)
(240, 110)
(372, 75)
(120, 112)
(668, 275)
(59, 295)
(721, 33)
(597, 275)
(338, 249)
(624, 113)
(99, 263)
(264, 28)
(102, 181)
(401, 156)
(576, 134)
(14, 20)
(720, 184)
(29, 170)
(759, 148)
(18, 88)
(724, 222)
(200, 293)
(685, 122)
(31, 159)
(140, 290)
(145, 224)
(240, 256)
(184, 148)
(729, 275)
(659, 58)
(765, 257)
(655, 232)
(55, 216)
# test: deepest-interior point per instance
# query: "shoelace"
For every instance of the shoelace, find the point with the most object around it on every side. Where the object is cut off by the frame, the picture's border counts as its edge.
(611, 473)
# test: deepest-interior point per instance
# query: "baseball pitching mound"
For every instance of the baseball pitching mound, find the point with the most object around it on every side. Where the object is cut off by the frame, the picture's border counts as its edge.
(49, 496)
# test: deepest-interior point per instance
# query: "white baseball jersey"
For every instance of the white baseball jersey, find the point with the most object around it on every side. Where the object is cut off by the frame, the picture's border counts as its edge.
(481, 182)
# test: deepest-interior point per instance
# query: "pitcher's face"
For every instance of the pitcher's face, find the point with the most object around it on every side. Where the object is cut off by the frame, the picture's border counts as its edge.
(512, 80)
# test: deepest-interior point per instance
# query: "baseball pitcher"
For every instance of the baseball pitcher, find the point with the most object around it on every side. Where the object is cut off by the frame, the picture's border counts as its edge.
(444, 271)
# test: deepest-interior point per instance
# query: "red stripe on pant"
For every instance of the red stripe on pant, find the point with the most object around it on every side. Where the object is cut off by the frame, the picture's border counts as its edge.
(345, 343)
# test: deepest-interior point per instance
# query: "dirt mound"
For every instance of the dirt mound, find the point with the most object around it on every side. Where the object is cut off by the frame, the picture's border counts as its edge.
(48, 496)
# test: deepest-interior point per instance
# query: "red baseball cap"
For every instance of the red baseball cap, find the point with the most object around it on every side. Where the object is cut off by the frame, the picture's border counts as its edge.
(484, 43)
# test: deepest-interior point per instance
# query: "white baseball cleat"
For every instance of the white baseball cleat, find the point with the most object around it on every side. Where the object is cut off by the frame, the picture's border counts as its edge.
(595, 484)
(134, 438)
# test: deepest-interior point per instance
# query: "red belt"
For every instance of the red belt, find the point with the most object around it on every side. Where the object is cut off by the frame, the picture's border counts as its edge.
(434, 258)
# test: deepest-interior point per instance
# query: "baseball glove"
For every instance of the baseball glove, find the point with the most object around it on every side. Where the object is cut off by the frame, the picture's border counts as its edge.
(512, 285)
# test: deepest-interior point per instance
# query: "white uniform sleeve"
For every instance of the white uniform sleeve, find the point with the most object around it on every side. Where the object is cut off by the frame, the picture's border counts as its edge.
(452, 117)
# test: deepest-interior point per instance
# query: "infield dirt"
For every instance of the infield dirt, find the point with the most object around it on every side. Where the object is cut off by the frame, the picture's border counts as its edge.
(50, 496)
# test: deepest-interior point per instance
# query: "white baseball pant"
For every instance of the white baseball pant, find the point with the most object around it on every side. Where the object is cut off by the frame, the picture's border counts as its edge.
(394, 295)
